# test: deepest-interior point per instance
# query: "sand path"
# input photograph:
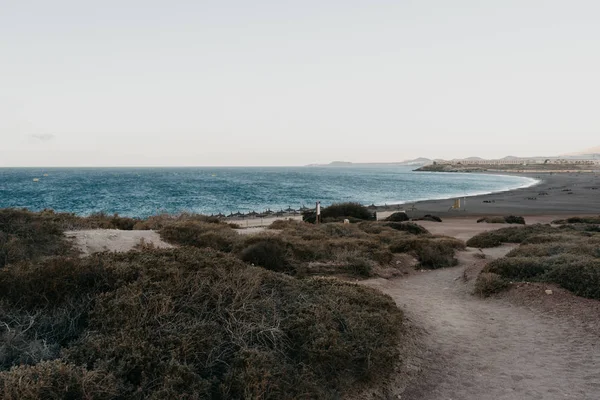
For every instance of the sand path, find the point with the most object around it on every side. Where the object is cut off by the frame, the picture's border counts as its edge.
(491, 348)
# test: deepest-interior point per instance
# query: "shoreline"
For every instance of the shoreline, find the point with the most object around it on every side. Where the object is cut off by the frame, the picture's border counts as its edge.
(567, 193)
(533, 182)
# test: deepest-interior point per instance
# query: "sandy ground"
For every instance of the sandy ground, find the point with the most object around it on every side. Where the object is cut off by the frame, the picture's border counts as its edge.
(97, 240)
(556, 194)
(261, 222)
(517, 346)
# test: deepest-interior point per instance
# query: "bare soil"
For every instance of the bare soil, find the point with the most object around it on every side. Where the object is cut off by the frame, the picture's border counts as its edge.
(524, 344)
(98, 240)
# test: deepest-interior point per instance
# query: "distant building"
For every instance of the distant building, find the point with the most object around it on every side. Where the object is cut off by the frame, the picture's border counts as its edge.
(524, 161)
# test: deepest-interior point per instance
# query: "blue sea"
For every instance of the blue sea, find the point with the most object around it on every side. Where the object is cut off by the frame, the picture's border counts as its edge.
(140, 192)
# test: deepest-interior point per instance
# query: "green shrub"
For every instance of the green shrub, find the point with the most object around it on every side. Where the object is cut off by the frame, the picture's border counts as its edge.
(581, 276)
(521, 268)
(488, 283)
(57, 380)
(409, 227)
(270, 253)
(398, 217)
(575, 247)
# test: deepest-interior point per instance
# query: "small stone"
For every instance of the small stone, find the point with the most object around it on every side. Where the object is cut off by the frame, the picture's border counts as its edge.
(548, 291)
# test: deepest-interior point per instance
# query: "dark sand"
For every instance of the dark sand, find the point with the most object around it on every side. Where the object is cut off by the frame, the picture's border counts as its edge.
(567, 194)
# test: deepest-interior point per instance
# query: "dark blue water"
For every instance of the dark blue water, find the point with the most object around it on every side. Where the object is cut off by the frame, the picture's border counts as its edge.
(145, 191)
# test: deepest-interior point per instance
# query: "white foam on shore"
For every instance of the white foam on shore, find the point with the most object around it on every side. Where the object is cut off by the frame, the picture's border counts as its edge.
(529, 182)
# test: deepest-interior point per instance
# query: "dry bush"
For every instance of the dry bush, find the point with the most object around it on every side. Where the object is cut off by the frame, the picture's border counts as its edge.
(511, 219)
(189, 323)
(432, 252)
(57, 380)
(488, 283)
(26, 236)
(548, 249)
(355, 212)
(578, 220)
(509, 235)
(200, 234)
(409, 227)
(269, 253)
(429, 217)
(436, 255)
(398, 217)
(158, 222)
(223, 329)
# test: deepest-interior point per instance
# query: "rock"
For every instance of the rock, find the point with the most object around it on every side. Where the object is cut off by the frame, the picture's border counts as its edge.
(548, 291)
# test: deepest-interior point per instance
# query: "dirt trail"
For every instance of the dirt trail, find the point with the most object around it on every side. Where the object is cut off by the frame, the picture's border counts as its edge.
(492, 349)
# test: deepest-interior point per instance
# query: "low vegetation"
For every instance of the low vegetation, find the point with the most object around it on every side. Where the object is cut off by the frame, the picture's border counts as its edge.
(509, 235)
(488, 283)
(578, 220)
(398, 217)
(221, 316)
(187, 322)
(27, 236)
(511, 219)
(568, 256)
(338, 212)
(429, 217)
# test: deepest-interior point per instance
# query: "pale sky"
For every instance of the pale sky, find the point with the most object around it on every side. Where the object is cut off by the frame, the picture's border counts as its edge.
(140, 83)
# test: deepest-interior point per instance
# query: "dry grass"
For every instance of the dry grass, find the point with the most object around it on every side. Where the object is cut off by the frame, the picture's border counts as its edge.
(191, 323)
(488, 283)
(568, 256)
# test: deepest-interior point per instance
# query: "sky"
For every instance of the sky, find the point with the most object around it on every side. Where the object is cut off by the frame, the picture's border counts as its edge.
(244, 83)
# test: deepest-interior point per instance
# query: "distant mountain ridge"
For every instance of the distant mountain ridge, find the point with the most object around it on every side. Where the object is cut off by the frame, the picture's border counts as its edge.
(415, 162)
(588, 154)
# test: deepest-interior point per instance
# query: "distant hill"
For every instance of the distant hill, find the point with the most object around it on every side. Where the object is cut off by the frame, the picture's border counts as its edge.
(591, 153)
(415, 162)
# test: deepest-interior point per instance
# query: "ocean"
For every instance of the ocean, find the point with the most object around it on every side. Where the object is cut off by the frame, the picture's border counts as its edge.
(140, 192)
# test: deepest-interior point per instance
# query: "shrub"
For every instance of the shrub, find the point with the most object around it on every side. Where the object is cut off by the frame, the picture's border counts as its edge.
(521, 268)
(269, 253)
(191, 323)
(409, 227)
(503, 220)
(430, 251)
(277, 337)
(488, 283)
(429, 217)
(578, 220)
(200, 234)
(340, 211)
(509, 235)
(512, 219)
(436, 255)
(581, 276)
(56, 380)
(398, 217)
(360, 266)
(27, 236)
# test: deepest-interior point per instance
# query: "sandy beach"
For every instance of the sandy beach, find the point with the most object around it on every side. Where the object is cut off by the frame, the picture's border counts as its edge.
(569, 193)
